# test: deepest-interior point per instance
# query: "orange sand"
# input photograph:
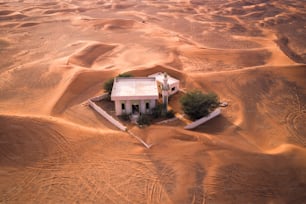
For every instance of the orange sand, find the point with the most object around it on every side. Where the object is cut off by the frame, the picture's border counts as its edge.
(57, 54)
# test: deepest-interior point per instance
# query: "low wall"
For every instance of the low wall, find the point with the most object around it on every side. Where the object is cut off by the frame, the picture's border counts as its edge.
(99, 98)
(140, 140)
(167, 121)
(196, 123)
(106, 115)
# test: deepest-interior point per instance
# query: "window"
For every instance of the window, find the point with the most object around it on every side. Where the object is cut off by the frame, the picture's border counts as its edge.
(173, 89)
(122, 106)
(147, 105)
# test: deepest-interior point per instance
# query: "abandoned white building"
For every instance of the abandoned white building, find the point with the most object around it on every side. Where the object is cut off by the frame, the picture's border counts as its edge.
(134, 95)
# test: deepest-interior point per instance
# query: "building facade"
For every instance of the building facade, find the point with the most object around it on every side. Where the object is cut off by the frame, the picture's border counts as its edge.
(134, 95)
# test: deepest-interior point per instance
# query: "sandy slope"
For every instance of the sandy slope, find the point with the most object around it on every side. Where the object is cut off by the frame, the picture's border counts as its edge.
(57, 54)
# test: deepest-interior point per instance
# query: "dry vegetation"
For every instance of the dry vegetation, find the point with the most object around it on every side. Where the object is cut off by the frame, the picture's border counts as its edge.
(57, 54)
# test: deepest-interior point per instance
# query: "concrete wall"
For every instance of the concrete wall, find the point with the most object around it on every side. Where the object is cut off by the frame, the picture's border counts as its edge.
(152, 104)
(107, 116)
(176, 86)
(167, 121)
(128, 106)
(142, 106)
(170, 92)
(99, 98)
(196, 123)
(118, 108)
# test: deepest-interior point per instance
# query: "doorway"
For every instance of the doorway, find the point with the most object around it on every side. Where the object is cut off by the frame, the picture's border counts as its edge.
(135, 109)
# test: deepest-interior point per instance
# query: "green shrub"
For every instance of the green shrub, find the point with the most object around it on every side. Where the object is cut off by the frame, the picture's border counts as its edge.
(197, 105)
(157, 111)
(170, 114)
(125, 117)
(144, 120)
(125, 75)
(108, 85)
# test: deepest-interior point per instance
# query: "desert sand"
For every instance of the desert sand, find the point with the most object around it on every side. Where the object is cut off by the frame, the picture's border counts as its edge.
(56, 54)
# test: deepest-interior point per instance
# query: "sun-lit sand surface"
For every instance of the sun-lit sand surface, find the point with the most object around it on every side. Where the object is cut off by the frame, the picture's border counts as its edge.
(56, 54)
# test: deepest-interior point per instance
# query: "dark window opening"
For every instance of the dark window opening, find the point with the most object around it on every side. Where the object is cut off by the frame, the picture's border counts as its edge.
(173, 89)
(123, 106)
(147, 105)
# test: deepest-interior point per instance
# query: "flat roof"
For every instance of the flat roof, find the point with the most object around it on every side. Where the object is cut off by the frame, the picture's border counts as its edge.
(159, 76)
(134, 88)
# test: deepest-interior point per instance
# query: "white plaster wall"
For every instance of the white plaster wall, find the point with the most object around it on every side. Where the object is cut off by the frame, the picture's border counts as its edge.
(152, 104)
(176, 85)
(99, 98)
(128, 107)
(196, 123)
(118, 107)
(107, 116)
(142, 106)
(177, 88)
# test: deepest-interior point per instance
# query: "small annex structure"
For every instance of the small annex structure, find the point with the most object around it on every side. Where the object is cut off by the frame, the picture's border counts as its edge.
(173, 83)
(135, 95)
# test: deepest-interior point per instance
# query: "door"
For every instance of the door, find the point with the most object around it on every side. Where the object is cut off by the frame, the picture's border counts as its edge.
(135, 109)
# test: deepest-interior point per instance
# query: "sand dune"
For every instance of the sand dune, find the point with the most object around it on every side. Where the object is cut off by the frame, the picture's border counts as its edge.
(5, 12)
(86, 82)
(159, 68)
(55, 55)
(109, 24)
(11, 15)
(259, 115)
(28, 24)
(209, 59)
(88, 55)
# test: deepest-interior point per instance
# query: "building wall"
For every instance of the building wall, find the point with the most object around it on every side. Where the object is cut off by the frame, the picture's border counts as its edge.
(129, 103)
(106, 115)
(118, 108)
(200, 121)
(176, 87)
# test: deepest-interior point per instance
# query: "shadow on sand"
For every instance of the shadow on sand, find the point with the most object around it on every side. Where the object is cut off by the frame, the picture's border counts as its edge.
(215, 125)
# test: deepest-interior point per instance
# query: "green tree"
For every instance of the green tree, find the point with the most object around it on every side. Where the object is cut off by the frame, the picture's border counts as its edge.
(170, 114)
(108, 85)
(197, 104)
